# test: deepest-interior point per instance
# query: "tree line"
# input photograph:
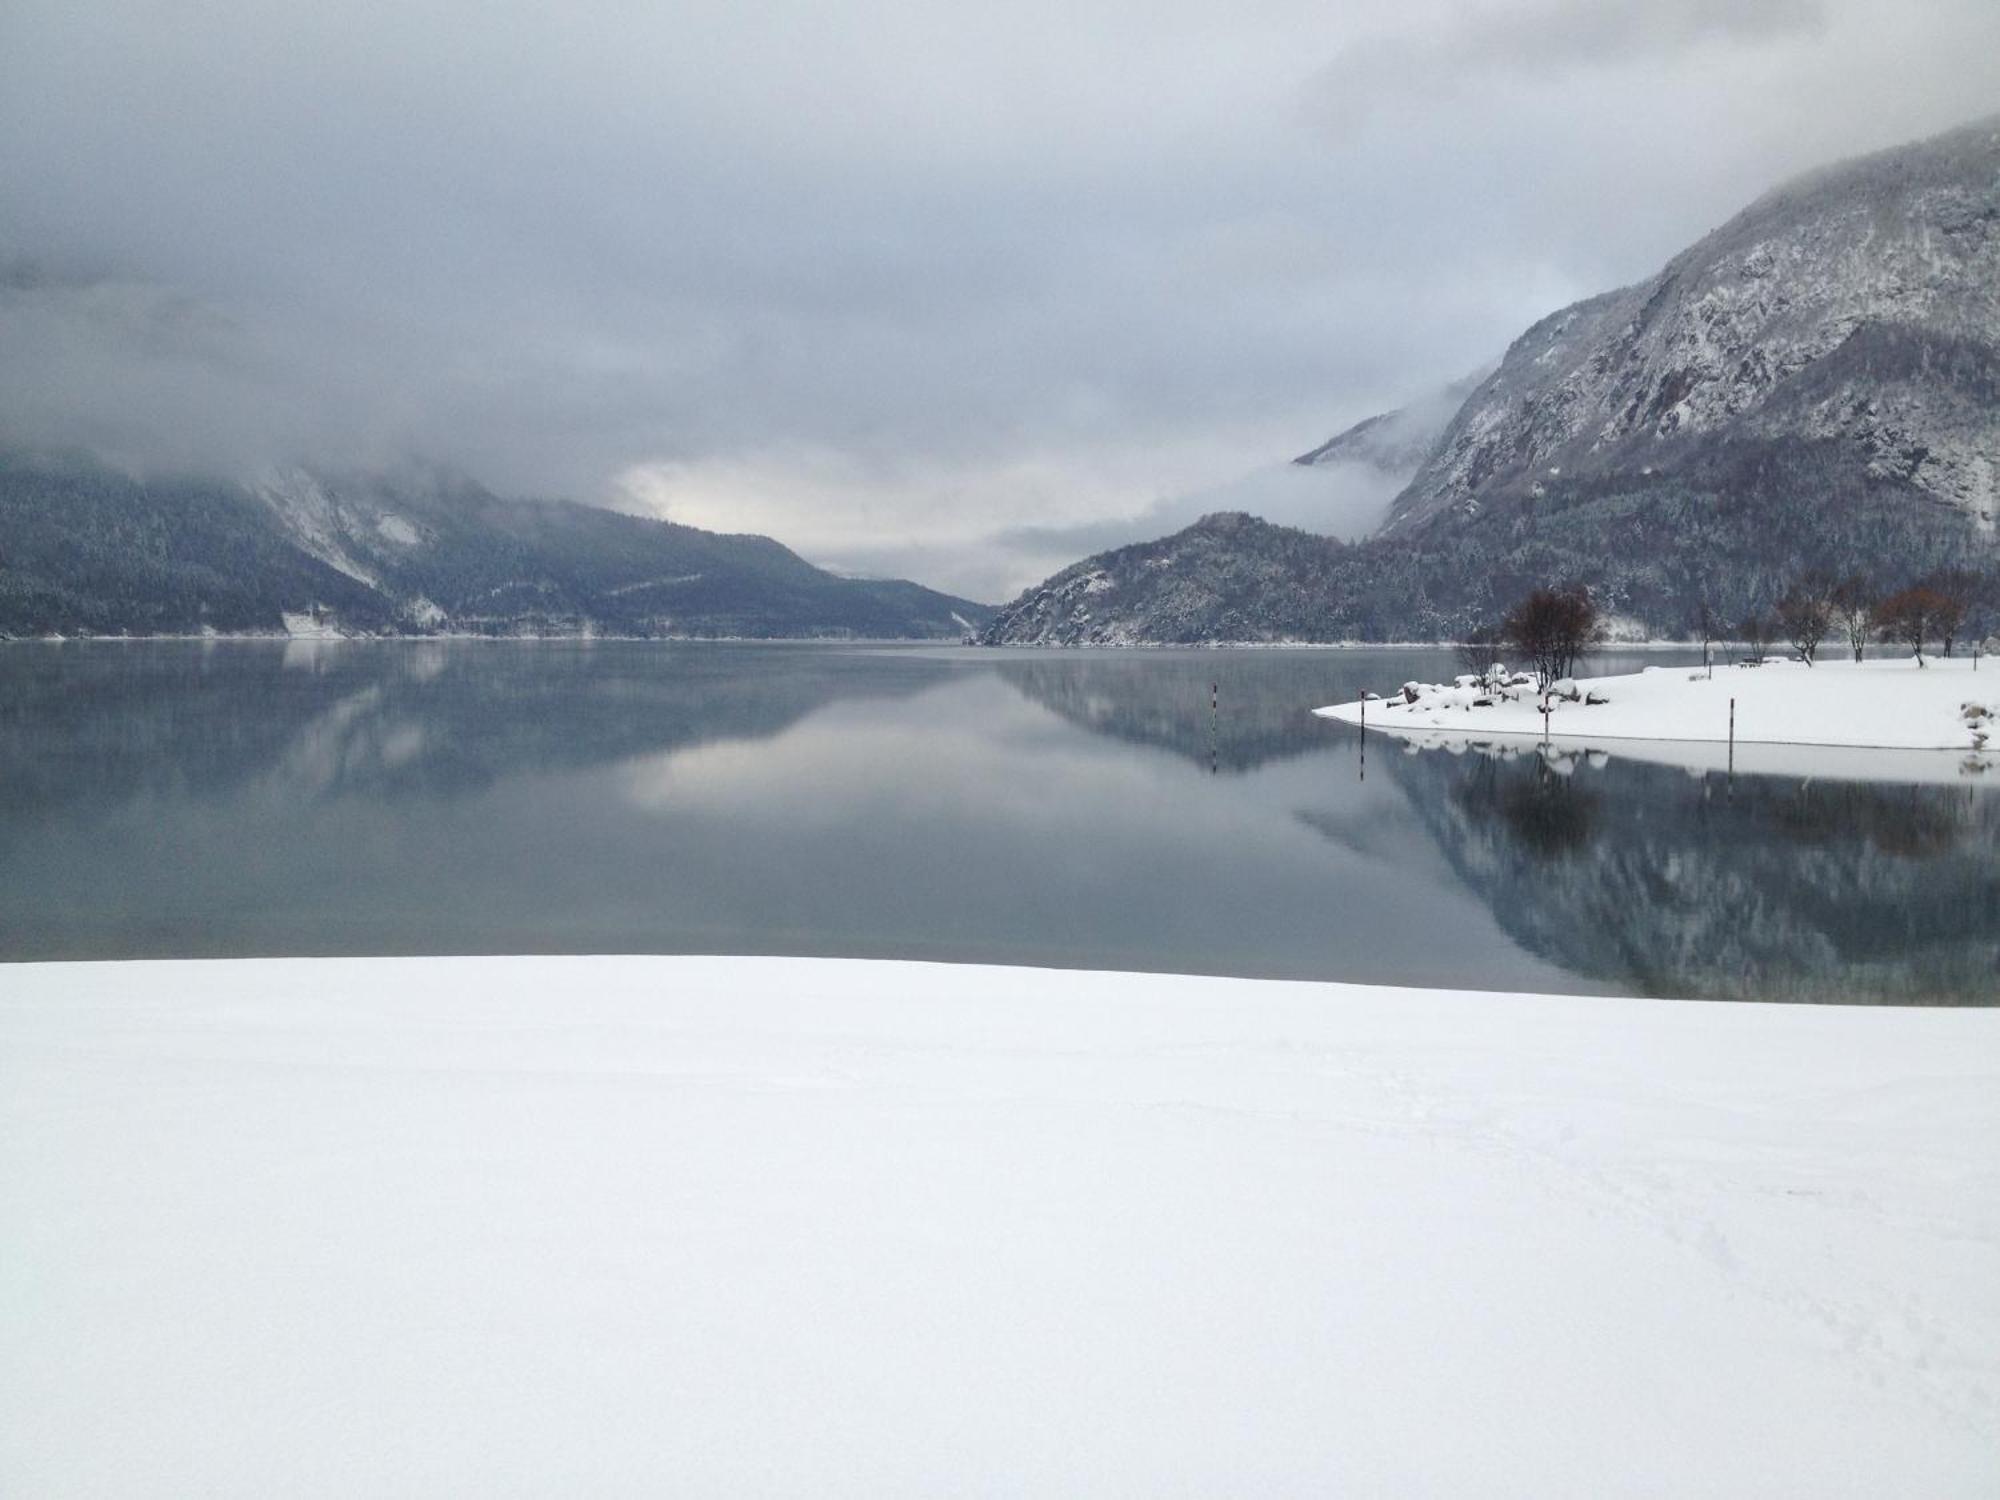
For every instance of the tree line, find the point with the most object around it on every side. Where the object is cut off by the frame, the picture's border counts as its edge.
(1946, 606)
(1551, 628)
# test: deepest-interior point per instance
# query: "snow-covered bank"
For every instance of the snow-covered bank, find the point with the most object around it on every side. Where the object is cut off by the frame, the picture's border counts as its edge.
(1890, 704)
(725, 1226)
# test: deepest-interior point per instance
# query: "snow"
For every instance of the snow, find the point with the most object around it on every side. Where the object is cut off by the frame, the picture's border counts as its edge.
(1890, 704)
(725, 1226)
(314, 518)
(307, 625)
(426, 613)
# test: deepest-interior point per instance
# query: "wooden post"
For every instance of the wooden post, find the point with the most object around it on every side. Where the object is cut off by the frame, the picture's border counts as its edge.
(1732, 736)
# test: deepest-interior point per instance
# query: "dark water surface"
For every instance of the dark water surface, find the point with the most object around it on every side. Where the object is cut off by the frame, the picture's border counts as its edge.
(1086, 809)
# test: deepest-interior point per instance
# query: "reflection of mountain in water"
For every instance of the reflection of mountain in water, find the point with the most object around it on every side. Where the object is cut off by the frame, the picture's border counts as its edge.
(1775, 889)
(92, 725)
(1144, 698)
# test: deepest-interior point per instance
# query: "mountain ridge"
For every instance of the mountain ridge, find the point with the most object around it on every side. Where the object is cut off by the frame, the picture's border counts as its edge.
(1904, 238)
(1814, 385)
(85, 550)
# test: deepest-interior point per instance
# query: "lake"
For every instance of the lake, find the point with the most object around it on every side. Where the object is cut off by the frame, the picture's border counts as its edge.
(1086, 809)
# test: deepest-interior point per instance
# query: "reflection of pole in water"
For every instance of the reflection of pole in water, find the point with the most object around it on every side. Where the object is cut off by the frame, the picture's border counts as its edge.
(1214, 732)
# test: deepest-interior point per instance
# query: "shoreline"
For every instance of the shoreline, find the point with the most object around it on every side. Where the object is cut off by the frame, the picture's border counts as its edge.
(253, 637)
(1886, 704)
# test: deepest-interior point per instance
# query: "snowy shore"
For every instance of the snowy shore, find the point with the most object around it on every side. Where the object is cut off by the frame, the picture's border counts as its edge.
(1946, 704)
(729, 1226)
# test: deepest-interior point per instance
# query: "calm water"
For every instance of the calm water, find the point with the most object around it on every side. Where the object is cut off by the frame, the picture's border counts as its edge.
(1046, 808)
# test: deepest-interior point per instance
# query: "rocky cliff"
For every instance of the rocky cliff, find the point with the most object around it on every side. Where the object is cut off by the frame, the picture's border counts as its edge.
(1859, 306)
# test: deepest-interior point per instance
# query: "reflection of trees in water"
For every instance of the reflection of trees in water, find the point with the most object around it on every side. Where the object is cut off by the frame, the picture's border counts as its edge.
(1551, 814)
(1161, 699)
(1773, 888)
(95, 725)
(1916, 822)
(1145, 698)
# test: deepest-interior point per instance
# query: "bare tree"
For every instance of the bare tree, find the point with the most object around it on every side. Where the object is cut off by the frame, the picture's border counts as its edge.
(1909, 618)
(1551, 629)
(1854, 610)
(1705, 626)
(1956, 589)
(1756, 630)
(1979, 623)
(1480, 649)
(1806, 614)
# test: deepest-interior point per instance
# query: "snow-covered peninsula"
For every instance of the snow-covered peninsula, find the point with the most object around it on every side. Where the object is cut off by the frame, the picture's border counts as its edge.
(1945, 704)
(728, 1226)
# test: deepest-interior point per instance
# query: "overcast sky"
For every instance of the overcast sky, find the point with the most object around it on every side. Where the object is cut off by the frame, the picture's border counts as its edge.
(940, 289)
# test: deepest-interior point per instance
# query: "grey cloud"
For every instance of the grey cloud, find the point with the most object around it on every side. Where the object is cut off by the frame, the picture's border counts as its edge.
(1344, 500)
(960, 285)
(1542, 40)
(141, 374)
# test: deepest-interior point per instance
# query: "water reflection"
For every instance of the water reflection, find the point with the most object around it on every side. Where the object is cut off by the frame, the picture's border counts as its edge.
(85, 725)
(1227, 711)
(1542, 807)
(1760, 887)
(1169, 810)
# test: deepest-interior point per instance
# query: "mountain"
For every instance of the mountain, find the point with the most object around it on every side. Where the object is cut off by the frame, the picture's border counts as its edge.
(1858, 306)
(1396, 442)
(1228, 577)
(86, 550)
(1814, 385)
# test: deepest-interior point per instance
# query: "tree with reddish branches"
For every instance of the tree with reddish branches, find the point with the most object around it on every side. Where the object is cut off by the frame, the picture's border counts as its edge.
(1956, 589)
(1911, 617)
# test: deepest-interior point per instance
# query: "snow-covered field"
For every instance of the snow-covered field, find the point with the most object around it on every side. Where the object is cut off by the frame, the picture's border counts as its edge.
(1892, 704)
(728, 1226)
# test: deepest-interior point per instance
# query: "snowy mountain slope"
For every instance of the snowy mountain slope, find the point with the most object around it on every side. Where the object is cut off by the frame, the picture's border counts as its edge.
(1396, 442)
(1858, 305)
(315, 519)
(1815, 385)
(84, 550)
(1228, 577)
